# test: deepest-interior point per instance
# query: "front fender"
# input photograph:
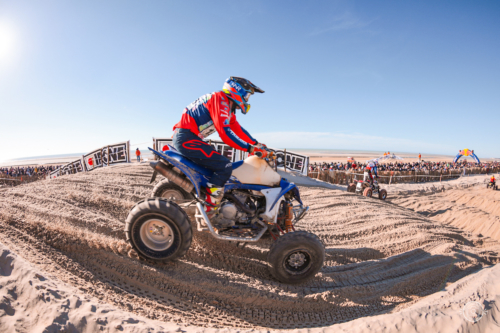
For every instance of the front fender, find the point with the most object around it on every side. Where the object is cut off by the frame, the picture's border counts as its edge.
(286, 186)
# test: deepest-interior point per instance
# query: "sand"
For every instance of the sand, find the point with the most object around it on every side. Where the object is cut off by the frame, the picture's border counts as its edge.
(383, 261)
(475, 209)
(34, 301)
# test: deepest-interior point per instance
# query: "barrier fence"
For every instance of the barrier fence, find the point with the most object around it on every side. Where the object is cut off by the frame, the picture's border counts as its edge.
(18, 180)
(98, 158)
(344, 177)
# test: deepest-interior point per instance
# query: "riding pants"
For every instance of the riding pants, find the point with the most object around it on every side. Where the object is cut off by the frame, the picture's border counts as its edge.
(368, 176)
(192, 147)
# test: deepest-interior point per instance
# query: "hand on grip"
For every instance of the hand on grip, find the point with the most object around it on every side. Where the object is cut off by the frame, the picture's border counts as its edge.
(259, 152)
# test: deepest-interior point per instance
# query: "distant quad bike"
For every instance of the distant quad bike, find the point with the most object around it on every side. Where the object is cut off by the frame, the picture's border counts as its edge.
(256, 201)
(363, 187)
(492, 185)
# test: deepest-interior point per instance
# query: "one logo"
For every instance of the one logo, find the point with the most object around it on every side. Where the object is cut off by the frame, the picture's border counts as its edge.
(226, 122)
(473, 311)
(90, 161)
(201, 146)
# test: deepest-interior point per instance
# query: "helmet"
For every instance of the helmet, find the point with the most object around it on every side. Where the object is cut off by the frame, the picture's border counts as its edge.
(239, 90)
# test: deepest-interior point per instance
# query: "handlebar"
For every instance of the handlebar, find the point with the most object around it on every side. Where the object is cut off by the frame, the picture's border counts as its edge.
(260, 154)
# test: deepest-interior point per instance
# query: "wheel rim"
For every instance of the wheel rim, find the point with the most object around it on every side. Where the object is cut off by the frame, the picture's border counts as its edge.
(171, 194)
(297, 262)
(157, 234)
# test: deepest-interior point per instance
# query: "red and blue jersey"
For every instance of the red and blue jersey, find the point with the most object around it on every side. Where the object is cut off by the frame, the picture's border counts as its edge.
(371, 167)
(211, 113)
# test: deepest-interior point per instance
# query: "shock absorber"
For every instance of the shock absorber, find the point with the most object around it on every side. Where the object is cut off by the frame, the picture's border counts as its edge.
(288, 218)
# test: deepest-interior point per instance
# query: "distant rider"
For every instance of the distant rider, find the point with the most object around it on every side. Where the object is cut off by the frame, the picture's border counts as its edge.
(217, 112)
(492, 180)
(370, 169)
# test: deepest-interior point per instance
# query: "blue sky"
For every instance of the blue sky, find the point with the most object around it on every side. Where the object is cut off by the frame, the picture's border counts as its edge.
(369, 75)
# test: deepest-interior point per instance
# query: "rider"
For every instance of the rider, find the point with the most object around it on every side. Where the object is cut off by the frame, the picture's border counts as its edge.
(371, 167)
(492, 180)
(217, 112)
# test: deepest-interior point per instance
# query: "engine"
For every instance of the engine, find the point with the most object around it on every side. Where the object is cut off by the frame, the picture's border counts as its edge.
(230, 213)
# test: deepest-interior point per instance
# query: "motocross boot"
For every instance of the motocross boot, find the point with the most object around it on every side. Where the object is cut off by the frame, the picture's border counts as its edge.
(214, 195)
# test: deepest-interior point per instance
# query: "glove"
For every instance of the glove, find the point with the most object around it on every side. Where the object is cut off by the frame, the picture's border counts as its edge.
(261, 145)
(259, 152)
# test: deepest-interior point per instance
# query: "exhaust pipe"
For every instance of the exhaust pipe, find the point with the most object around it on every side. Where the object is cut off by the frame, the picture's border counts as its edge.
(172, 175)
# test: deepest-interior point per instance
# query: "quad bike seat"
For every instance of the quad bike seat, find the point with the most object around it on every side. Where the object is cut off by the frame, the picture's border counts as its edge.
(174, 153)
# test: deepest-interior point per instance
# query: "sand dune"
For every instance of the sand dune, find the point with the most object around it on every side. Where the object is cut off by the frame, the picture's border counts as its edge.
(381, 257)
(34, 301)
(475, 209)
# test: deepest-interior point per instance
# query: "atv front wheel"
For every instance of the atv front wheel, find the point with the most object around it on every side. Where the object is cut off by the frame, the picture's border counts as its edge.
(158, 230)
(296, 257)
(368, 192)
(382, 194)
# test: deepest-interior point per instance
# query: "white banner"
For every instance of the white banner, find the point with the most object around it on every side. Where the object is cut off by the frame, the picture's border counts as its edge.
(107, 155)
(294, 162)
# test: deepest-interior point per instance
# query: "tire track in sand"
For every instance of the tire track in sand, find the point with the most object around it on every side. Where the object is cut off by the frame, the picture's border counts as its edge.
(380, 256)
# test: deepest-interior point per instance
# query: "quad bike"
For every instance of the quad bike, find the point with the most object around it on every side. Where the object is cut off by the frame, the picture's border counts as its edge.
(364, 187)
(256, 201)
(492, 185)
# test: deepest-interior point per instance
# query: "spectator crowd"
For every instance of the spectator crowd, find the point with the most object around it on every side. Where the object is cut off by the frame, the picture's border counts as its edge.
(402, 166)
(27, 170)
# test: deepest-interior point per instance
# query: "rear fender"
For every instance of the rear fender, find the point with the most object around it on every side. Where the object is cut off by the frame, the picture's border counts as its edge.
(196, 178)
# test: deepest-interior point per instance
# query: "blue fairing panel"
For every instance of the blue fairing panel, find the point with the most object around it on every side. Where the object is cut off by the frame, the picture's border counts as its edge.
(239, 186)
(195, 173)
(236, 165)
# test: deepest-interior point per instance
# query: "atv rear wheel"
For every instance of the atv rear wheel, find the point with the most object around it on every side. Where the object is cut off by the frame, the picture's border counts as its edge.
(158, 230)
(296, 257)
(368, 192)
(382, 194)
(170, 191)
(351, 188)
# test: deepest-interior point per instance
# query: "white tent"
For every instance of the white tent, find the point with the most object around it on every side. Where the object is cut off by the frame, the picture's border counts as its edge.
(390, 157)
